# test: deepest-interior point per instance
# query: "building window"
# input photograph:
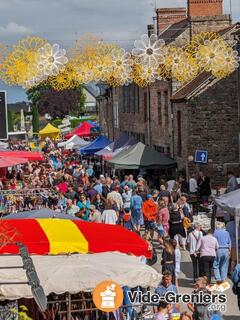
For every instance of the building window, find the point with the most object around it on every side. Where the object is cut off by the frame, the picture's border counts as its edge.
(106, 107)
(125, 99)
(159, 101)
(136, 98)
(115, 114)
(132, 97)
(166, 114)
(179, 134)
(145, 107)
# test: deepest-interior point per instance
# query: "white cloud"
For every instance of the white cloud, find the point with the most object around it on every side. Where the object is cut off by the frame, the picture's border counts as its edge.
(14, 28)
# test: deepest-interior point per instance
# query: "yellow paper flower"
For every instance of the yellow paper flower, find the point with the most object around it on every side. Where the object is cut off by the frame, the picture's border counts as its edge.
(66, 79)
(144, 75)
(186, 69)
(150, 50)
(200, 39)
(21, 64)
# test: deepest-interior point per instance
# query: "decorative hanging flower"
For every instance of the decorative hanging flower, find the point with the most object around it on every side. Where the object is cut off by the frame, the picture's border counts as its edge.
(20, 65)
(199, 40)
(144, 75)
(186, 69)
(51, 60)
(150, 51)
(121, 60)
(229, 63)
(210, 54)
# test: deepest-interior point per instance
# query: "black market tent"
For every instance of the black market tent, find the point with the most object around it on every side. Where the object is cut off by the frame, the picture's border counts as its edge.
(140, 156)
(230, 202)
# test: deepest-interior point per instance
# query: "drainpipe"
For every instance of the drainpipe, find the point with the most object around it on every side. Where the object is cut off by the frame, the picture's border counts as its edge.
(149, 115)
(237, 38)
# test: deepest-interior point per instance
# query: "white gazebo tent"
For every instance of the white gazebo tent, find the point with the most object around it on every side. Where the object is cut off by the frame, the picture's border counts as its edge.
(230, 202)
(75, 142)
(75, 273)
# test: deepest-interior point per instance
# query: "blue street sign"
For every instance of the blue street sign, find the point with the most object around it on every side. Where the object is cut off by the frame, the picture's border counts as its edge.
(201, 156)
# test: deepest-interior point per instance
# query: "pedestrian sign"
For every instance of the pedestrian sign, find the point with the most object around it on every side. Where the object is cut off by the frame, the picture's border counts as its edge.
(201, 156)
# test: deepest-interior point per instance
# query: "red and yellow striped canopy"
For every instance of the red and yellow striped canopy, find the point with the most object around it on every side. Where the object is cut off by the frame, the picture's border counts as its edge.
(60, 236)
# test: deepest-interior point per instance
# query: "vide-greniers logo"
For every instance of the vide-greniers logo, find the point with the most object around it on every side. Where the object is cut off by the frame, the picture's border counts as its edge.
(108, 296)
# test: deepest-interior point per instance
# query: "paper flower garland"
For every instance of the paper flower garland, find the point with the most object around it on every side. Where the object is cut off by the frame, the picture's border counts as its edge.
(149, 50)
(33, 61)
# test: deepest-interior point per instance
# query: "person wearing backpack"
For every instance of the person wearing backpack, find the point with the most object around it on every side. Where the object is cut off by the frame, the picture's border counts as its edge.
(236, 283)
(192, 241)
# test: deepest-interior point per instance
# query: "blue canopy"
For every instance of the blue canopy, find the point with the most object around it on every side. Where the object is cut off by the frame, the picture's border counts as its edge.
(93, 123)
(98, 144)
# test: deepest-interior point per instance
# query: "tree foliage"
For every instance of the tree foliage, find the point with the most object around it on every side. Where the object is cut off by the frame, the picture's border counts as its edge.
(35, 118)
(10, 121)
(57, 103)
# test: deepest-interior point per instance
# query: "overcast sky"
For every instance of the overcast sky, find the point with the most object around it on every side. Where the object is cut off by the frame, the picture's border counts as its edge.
(62, 21)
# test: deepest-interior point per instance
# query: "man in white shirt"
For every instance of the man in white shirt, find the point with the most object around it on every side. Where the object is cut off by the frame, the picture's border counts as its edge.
(193, 187)
(116, 197)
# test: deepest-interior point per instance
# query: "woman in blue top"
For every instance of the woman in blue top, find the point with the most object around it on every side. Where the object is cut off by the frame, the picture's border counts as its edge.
(84, 206)
(136, 210)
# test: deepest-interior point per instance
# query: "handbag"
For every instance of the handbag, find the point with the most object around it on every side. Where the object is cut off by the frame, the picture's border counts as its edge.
(235, 289)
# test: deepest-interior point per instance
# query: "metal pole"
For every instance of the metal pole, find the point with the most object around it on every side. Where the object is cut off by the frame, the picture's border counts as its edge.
(148, 117)
(69, 307)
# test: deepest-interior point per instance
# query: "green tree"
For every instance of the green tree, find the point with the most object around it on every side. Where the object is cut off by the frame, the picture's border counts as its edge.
(10, 121)
(35, 118)
(81, 101)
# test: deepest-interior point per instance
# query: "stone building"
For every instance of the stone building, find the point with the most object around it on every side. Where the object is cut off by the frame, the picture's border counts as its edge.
(157, 116)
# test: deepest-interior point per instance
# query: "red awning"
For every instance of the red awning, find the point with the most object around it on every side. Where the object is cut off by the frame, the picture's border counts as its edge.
(84, 130)
(29, 155)
(11, 162)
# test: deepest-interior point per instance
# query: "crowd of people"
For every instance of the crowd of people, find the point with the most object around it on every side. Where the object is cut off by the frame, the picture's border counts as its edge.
(66, 183)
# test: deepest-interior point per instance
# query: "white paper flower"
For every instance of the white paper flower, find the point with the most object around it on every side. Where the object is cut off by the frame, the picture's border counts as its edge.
(51, 60)
(122, 60)
(150, 51)
(125, 78)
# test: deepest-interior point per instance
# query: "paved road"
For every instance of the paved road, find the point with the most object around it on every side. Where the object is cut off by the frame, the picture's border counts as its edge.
(186, 286)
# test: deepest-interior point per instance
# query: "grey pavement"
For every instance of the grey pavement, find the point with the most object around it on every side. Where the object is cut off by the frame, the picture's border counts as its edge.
(186, 285)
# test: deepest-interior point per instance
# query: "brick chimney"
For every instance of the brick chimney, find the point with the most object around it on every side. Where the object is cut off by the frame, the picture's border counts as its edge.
(200, 8)
(168, 16)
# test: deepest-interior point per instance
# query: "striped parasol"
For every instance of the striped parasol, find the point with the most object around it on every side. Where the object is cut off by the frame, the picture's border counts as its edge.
(58, 236)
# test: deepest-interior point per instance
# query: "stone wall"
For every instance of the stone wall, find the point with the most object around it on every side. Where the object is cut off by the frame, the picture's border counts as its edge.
(209, 24)
(210, 122)
(135, 122)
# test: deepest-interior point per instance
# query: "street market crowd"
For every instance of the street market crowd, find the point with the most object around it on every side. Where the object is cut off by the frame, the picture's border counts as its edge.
(161, 212)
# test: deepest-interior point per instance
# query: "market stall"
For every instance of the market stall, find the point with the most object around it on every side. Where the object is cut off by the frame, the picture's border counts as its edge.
(141, 156)
(75, 142)
(122, 143)
(43, 213)
(29, 155)
(6, 162)
(75, 273)
(56, 236)
(84, 130)
(98, 144)
(49, 131)
(230, 202)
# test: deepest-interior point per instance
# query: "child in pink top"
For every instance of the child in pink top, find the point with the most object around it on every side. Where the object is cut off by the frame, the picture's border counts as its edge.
(163, 216)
